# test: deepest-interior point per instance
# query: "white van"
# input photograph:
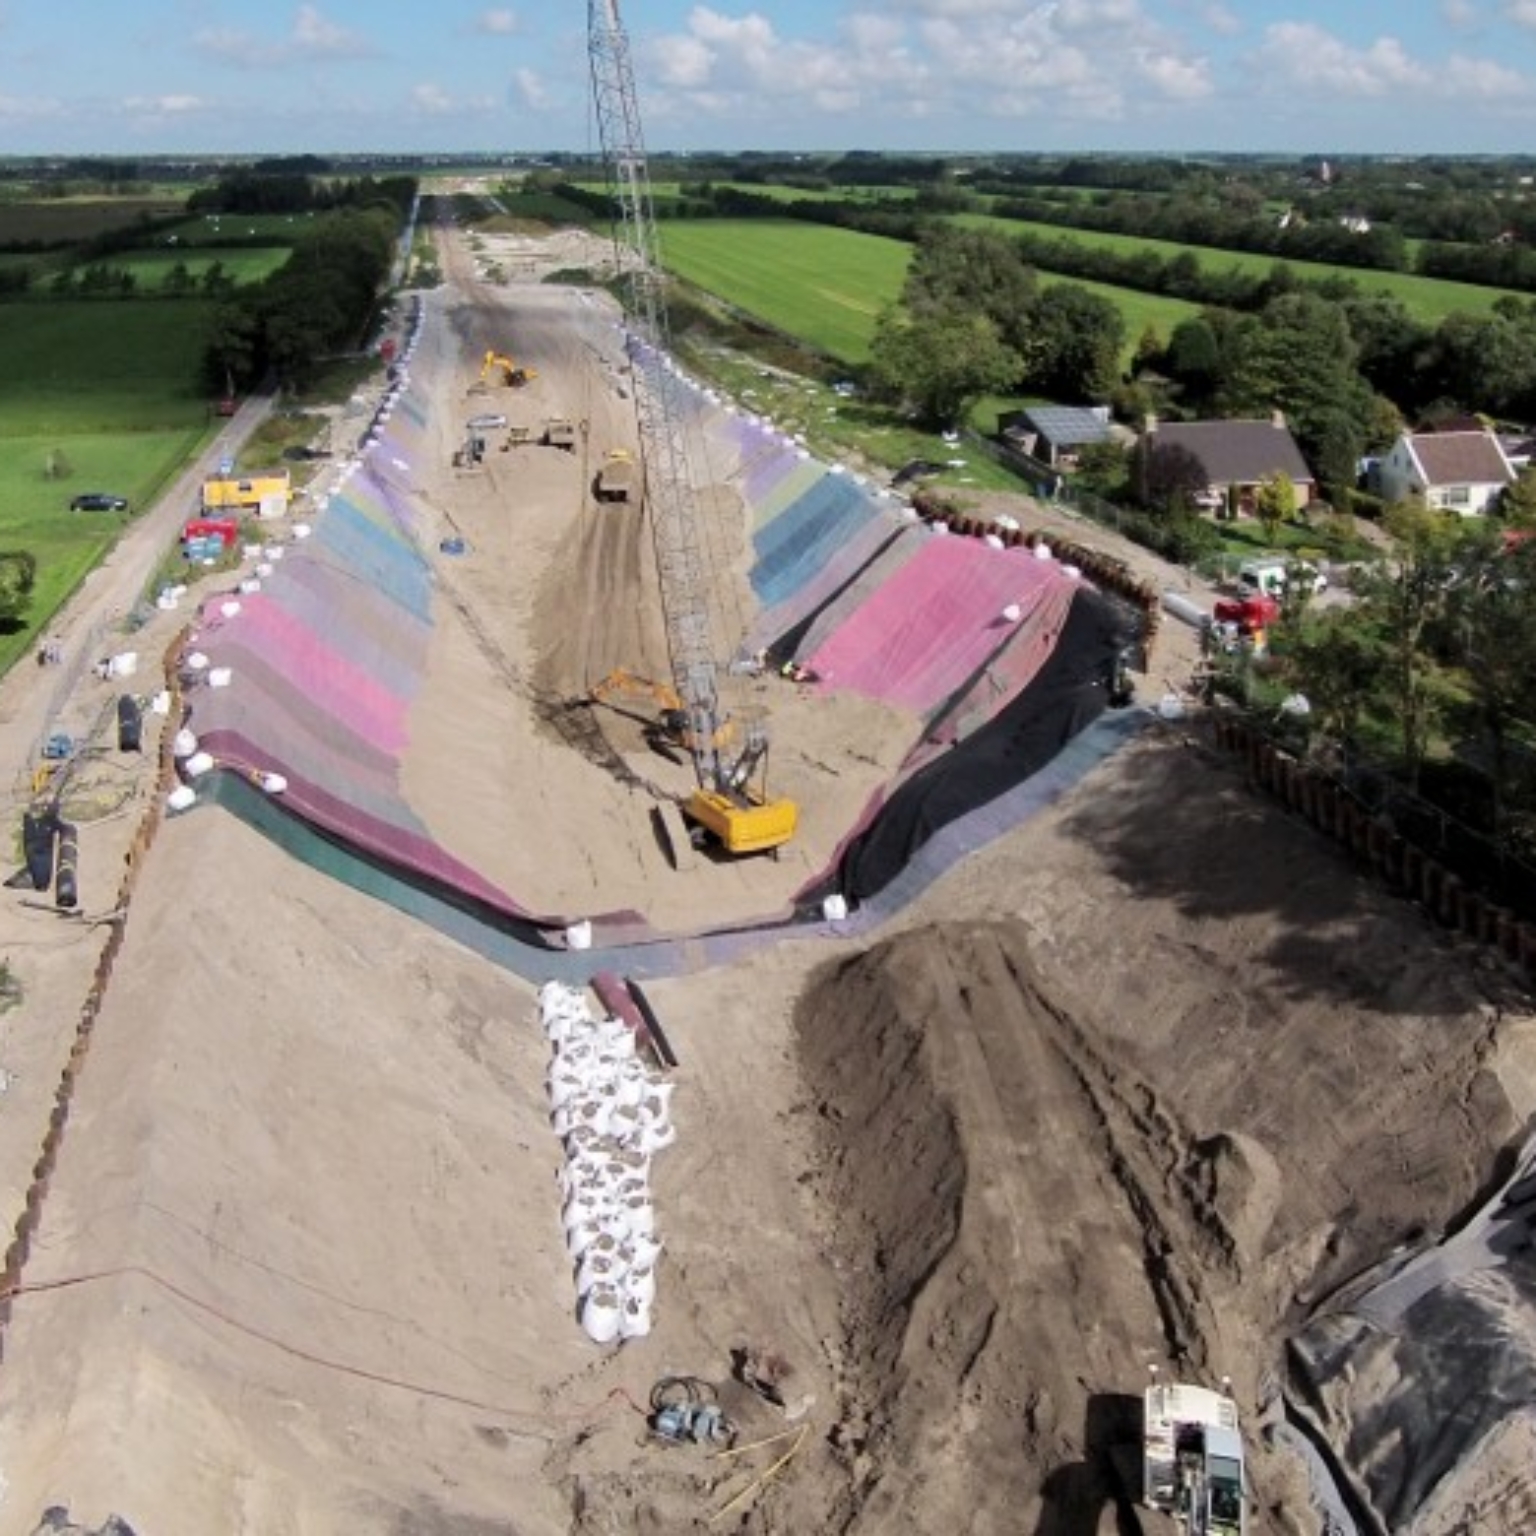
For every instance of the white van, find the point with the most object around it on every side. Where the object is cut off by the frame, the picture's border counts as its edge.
(1269, 578)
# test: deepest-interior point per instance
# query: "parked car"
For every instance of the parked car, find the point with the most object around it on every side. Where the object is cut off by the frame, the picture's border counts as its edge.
(98, 501)
(1270, 578)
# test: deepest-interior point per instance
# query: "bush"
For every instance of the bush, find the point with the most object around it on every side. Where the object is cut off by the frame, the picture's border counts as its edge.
(1363, 504)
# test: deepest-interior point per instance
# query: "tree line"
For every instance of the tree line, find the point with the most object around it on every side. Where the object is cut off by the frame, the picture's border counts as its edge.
(319, 302)
(1425, 675)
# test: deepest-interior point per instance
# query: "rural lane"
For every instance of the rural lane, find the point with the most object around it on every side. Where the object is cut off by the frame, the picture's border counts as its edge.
(33, 698)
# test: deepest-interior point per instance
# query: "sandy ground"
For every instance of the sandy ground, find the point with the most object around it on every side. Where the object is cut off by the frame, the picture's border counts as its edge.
(1136, 1085)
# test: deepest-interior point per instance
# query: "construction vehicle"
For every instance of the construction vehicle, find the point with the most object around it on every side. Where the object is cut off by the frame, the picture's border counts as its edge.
(560, 432)
(1192, 1459)
(471, 452)
(498, 368)
(670, 727)
(731, 803)
(615, 480)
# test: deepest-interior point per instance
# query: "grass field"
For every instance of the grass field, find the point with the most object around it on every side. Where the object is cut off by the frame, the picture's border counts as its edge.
(244, 264)
(827, 286)
(824, 286)
(106, 391)
(209, 229)
(1429, 299)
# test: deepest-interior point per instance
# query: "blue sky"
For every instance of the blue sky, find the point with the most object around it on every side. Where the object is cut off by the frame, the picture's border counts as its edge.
(167, 76)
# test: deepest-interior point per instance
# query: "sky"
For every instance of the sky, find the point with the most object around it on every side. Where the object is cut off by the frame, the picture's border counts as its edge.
(139, 77)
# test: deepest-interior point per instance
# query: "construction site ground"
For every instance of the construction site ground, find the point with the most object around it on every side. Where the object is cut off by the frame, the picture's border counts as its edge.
(1136, 1085)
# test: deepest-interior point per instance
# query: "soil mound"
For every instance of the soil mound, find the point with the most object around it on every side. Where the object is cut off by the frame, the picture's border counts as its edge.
(1019, 1229)
(1032, 1197)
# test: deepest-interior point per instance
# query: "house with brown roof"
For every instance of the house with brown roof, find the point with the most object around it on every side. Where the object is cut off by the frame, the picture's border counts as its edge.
(1461, 471)
(1238, 456)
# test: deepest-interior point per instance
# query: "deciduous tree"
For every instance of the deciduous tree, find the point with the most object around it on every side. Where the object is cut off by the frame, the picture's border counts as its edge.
(938, 361)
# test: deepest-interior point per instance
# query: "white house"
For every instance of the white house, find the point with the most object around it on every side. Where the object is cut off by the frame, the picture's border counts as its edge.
(1462, 472)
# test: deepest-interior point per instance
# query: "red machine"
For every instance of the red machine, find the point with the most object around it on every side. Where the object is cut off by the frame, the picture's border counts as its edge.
(1250, 614)
(223, 528)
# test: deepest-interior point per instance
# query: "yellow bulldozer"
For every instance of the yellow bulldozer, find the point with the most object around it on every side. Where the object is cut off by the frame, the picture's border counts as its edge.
(498, 368)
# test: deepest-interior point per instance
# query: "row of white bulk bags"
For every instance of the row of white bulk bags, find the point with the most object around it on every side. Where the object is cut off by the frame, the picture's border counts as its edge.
(612, 1115)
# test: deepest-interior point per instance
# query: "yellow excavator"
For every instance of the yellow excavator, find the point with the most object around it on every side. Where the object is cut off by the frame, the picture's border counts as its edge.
(732, 803)
(500, 368)
(669, 727)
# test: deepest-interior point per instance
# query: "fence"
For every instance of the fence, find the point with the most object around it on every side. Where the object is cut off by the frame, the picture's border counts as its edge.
(1465, 883)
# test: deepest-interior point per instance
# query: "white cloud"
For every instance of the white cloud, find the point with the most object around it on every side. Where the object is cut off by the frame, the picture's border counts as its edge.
(1097, 16)
(1301, 58)
(497, 23)
(313, 34)
(529, 90)
(1303, 55)
(1482, 78)
(165, 106)
(683, 62)
(1222, 21)
(1521, 12)
(312, 37)
(1177, 78)
(431, 100)
(30, 108)
(965, 62)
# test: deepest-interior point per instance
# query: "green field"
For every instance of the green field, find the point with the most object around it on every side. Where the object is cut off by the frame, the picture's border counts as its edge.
(1429, 299)
(826, 286)
(822, 285)
(211, 229)
(243, 264)
(105, 392)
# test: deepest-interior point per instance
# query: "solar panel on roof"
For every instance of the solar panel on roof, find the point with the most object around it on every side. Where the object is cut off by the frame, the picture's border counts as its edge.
(1067, 424)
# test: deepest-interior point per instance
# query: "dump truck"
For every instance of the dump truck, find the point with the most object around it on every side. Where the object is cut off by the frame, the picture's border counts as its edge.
(617, 478)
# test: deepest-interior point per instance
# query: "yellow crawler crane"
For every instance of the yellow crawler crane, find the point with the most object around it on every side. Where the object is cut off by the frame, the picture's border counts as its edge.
(731, 803)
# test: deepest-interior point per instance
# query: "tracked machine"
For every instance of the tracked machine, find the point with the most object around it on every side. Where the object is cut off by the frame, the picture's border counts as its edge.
(1192, 1459)
(731, 803)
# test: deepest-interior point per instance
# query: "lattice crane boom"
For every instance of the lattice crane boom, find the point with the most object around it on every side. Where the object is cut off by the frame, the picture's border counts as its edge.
(671, 495)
